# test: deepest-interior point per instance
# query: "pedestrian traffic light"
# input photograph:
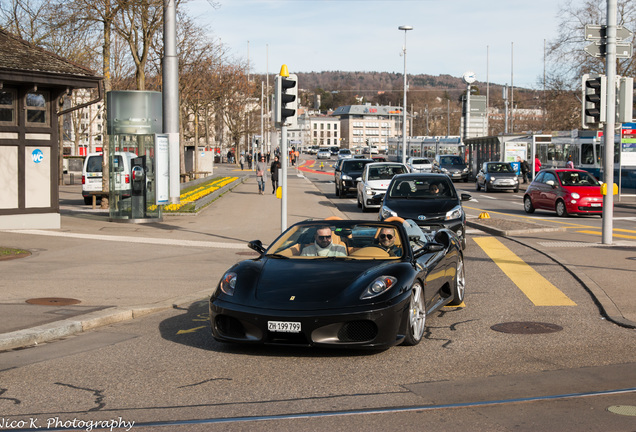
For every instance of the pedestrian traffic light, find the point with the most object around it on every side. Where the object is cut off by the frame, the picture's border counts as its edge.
(594, 101)
(286, 98)
(625, 100)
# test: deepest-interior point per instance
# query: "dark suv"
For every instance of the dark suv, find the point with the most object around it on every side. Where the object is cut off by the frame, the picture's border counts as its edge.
(347, 171)
(453, 166)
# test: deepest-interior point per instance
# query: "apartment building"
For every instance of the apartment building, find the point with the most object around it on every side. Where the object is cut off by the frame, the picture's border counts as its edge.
(363, 125)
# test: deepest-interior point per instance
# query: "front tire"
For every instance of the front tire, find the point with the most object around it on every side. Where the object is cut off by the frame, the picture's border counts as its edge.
(561, 211)
(527, 205)
(417, 316)
(459, 290)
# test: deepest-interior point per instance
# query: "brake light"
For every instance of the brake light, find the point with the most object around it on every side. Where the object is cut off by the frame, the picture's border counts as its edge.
(127, 178)
(83, 179)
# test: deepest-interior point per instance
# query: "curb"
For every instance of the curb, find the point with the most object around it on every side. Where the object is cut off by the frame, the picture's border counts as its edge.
(504, 233)
(68, 327)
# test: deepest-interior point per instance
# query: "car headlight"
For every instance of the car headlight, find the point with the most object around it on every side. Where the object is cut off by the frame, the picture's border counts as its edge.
(345, 177)
(455, 213)
(378, 286)
(444, 170)
(228, 283)
(465, 169)
(368, 191)
(386, 212)
(575, 195)
(491, 179)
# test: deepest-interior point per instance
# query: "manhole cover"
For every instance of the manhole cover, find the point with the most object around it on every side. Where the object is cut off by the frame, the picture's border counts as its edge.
(527, 327)
(53, 301)
(626, 410)
(248, 253)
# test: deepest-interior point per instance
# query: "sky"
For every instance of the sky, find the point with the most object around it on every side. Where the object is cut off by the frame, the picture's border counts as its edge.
(501, 41)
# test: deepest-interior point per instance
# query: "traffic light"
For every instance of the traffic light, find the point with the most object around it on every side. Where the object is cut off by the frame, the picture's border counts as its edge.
(625, 100)
(286, 98)
(594, 100)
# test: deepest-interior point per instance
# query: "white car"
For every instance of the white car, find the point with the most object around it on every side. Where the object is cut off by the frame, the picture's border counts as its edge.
(420, 164)
(92, 174)
(375, 180)
(323, 154)
(344, 154)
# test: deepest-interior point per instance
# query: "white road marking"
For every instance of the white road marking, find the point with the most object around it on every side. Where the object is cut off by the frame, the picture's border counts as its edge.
(130, 239)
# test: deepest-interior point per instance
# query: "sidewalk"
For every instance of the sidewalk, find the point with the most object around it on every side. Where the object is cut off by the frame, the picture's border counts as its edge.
(120, 271)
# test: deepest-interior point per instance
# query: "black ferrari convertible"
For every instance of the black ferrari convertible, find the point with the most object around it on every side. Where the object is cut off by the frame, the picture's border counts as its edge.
(340, 283)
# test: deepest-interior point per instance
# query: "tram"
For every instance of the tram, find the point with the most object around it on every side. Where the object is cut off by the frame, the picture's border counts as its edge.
(584, 147)
(425, 146)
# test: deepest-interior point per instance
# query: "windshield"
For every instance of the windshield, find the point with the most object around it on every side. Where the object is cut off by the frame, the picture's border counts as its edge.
(385, 172)
(354, 165)
(500, 168)
(339, 240)
(577, 178)
(429, 188)
(451, 160)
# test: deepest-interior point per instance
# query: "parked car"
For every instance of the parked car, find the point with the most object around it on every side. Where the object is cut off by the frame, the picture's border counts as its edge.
(453, 166)
(497, 176)
(431, 200)
(565, 191)
(367, 297)
(323, 154)
(92, 174)
(346, 174)
(344, 154)
(374, 180)
(420, 164)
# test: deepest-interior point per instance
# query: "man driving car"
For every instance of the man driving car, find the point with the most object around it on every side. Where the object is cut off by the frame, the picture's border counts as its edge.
(323, 246)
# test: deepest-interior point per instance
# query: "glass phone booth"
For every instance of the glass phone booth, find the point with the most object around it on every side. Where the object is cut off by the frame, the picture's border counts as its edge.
(134, 122)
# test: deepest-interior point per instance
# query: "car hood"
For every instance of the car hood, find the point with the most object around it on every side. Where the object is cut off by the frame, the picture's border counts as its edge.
(414, 209)
(502, 175)
(585, 191)
(314, 283)
(378, 184)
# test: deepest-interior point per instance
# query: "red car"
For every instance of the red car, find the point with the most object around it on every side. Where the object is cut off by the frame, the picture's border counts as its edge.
(565, 191)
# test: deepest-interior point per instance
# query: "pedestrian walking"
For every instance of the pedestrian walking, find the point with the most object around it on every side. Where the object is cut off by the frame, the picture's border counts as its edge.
(524, 170)
(569, 163)
(537, 164)
(260, 175)
(274, 170)
(242, 161)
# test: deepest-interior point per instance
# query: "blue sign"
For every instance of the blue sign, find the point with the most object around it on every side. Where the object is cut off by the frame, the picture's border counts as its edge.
(37, 156)
(517, 167)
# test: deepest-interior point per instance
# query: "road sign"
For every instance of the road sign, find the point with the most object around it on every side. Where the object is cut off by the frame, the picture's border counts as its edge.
(594, 32)
(598, 49)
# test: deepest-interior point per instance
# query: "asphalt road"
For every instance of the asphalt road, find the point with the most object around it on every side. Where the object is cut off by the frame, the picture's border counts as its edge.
(164, 372)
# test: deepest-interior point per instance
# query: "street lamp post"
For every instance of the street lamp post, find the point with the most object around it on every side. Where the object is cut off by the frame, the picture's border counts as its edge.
(405, 28)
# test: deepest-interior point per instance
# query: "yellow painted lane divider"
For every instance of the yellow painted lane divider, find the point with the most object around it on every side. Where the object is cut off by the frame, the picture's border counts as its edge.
(614, 234)
(537, 288)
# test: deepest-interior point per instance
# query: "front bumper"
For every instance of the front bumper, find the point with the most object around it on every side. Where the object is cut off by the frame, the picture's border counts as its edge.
(381, 326)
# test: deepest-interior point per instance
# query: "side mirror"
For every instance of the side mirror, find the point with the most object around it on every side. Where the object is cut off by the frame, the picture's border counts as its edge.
(466, 197)
(377, 199)
(256, 245)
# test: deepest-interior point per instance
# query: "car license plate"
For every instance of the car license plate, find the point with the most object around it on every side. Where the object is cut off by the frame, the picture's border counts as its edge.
(595, 204)
(283, 326)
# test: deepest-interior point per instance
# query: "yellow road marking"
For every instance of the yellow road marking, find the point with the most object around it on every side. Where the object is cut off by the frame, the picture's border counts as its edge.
(613, 234)
(537, 288)
(192, 330)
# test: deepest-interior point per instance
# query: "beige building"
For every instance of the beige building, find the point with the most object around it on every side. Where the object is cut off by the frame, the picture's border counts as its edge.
(369, 125)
